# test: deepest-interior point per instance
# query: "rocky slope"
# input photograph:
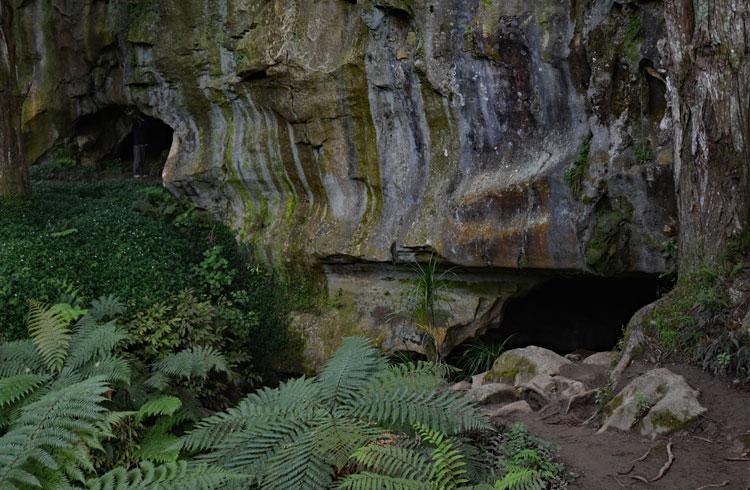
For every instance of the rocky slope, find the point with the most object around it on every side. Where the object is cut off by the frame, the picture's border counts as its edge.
(515, 139)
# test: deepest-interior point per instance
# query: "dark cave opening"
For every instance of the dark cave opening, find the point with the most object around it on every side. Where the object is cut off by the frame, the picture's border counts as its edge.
(155, 135)
(570, 314)
(105, 140)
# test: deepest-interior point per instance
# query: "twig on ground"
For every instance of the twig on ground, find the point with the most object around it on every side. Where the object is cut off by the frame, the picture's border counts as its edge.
(736, 459)
(714, 485)
(704, 439)
(632, 463)
(667, 465)
(639, 478)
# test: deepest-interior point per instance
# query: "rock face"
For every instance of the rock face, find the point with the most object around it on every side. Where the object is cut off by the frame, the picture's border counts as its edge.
(655, 403)
(351, 137)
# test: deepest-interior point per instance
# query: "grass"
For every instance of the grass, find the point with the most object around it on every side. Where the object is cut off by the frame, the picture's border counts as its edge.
(574, 174)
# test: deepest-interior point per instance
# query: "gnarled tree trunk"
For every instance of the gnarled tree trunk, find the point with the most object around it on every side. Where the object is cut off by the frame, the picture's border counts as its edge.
(14, 181)
(709, 87)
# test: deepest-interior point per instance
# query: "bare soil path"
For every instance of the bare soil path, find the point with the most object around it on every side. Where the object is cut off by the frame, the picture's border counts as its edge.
(702, 453)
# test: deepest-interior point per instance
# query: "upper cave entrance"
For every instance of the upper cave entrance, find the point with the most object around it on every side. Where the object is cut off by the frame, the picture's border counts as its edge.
(574, 313)
(116, 137)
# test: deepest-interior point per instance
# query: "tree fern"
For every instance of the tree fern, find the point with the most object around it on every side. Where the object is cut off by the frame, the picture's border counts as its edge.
(374, 481)
(165, 405)
(349, 370)
(301, 434)
(19, 357)
(520, 478)
(50, 333)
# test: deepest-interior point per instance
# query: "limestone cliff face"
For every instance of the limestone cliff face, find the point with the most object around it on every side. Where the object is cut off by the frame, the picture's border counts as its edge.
(505, 136)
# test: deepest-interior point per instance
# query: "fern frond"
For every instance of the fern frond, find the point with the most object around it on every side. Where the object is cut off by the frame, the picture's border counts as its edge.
(395, 461)
(169, 476)
(445, 412)
(165, 405)
(91, 340)
(447, 458)
(374, 481)
(20, 357)
(350, 370)
(113, 368)
(54, 422)
(301, 463)
(417, 375)
(254, 410)
(521, 479)
(106, 307)
(16, 387)
(49, 331)
(194, 362)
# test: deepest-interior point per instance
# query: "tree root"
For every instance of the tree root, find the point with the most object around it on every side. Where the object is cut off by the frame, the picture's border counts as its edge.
(636, 339)
(632, 463)
(667, 465)
(714, 485)
(639, 478)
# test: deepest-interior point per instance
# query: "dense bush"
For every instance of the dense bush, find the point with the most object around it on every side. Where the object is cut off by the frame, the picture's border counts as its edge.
(135, 241)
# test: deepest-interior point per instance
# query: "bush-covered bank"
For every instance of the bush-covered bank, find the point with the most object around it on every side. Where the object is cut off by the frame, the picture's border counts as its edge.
(180, 273)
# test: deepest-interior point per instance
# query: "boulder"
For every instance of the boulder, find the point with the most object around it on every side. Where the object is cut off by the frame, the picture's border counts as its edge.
(518, 366)
(544, 389)
(657, 402)
(590, 375)
(493, 393)
(460, 386)
(521, 406)
(606, 359)
(478, 379)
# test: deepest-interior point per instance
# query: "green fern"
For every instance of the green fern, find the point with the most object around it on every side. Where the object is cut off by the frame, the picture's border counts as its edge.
(301, 434)
(106, 307)
(165, 405)
(48, 328)
(169, 476)
(58, 421)
(14, 388)
(194, 362)
(520, 478)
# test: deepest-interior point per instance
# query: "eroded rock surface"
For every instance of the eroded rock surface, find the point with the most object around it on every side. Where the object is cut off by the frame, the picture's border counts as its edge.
(503, 135)
(657, 402)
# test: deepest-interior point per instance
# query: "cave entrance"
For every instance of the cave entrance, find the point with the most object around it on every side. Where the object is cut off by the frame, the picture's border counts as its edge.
(574, 313)
(106, 139)
(146, 147)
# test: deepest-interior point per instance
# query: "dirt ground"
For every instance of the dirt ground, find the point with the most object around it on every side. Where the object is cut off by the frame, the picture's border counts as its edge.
(701, 452)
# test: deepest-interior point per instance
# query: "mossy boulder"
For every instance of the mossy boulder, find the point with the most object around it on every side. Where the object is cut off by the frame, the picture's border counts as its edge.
(655, 403)
(518, 366)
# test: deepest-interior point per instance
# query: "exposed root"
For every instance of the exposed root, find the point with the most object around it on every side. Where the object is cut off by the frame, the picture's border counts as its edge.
(667, 465)
(736, 459)
(636, 339)
(632, 463)
(714, 485)
(704, 439)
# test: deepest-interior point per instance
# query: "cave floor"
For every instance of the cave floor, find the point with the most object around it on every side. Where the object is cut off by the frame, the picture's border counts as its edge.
(703, 452)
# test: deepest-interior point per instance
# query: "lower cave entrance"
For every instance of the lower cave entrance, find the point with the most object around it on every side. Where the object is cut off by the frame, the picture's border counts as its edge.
(574, 313)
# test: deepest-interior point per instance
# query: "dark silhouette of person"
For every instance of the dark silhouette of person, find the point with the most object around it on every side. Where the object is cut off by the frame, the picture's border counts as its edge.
(139, 148)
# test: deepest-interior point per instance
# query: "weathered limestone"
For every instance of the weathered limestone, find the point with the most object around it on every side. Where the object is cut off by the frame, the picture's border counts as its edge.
(352, 137)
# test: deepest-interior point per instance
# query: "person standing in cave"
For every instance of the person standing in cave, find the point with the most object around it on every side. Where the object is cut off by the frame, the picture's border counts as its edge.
(139, 148)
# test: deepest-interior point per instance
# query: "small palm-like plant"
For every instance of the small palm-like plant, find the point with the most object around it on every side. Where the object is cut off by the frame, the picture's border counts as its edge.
(302, 434)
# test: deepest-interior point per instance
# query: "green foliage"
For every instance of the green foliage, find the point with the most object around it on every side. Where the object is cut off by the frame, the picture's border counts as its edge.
(169, 476)
(526, 462)
(300, 434)
(76, 240)
(478, 356)
(643, 152)
(214, 272)
(574, 174)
